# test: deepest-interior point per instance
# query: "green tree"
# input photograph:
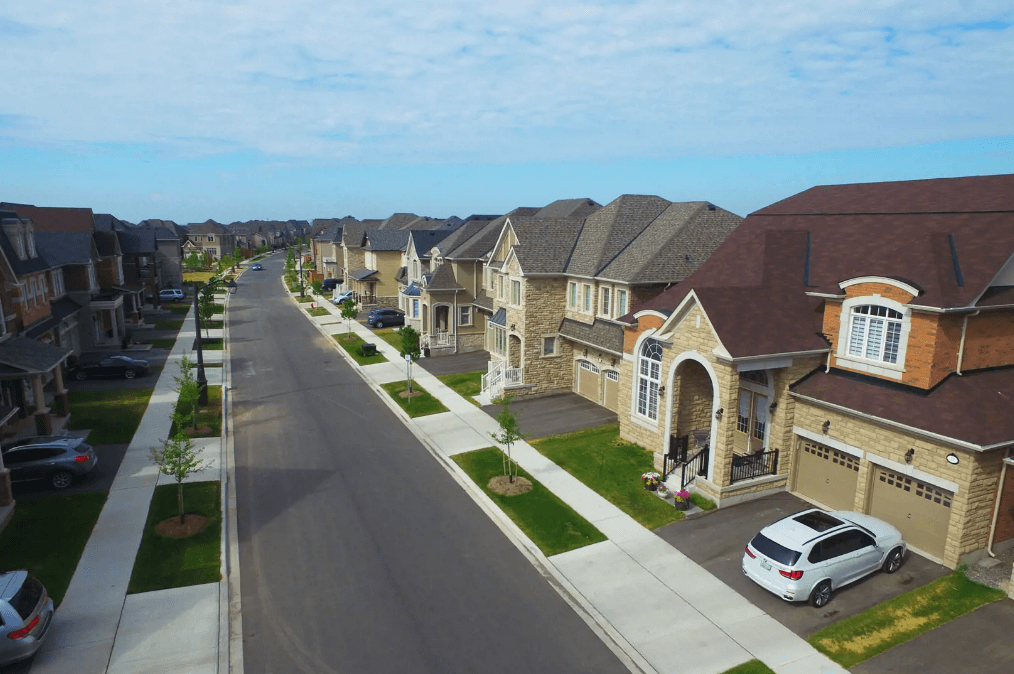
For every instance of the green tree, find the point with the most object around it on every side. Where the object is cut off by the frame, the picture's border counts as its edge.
(509, 434)
(194, 261)
(237, 256)
(349, 311)
(409, 350)
(188, 393)
(317, 289)
(206, 302)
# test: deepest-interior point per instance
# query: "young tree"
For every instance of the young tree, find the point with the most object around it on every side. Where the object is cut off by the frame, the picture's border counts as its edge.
(409, 350)
(188, 393)
(509, 434)
(206, 302)
(349, 311)
(194, 261)
(237, 256)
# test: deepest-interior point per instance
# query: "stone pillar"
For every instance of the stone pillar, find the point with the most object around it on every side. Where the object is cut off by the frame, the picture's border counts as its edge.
(60, 399)
(115, 323)
(43, 422)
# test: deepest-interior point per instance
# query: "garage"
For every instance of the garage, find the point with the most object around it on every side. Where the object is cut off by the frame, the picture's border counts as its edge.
(588, 380)
(920, 511)
(611, 392)
(827, 475)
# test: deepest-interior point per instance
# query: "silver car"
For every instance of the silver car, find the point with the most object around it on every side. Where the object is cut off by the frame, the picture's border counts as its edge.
(806, 556)
(26, 612)
(58, 459)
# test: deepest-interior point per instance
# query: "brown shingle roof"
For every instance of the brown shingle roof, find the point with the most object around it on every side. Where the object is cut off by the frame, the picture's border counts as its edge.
(974, 407)
(52, 219)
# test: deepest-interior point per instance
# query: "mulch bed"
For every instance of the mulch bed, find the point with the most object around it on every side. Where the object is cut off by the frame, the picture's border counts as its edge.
(501, 484)
(171, 528)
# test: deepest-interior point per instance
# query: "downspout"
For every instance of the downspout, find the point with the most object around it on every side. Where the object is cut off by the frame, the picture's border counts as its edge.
(453, 319)
(961, 347)
(996, 507)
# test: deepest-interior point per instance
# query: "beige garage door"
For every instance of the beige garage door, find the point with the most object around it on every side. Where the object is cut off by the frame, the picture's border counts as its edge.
(827, 475)
(588, 380)
(611, 396)
(920, 511)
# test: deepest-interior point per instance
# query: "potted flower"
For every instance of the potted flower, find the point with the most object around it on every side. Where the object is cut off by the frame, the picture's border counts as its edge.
(663, 491)
(681, 499)
(650, 480)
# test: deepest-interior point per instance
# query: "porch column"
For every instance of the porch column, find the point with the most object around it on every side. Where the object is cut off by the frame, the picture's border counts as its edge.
(43, 422)
(114, 325)
(60, 399)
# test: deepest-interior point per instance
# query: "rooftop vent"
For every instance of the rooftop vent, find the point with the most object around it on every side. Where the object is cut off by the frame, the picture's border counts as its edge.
(687, 257)
(712, 207)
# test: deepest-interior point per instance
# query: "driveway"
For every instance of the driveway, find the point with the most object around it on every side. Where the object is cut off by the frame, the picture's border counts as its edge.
(553, 415)
(716, 541)
(459, 363)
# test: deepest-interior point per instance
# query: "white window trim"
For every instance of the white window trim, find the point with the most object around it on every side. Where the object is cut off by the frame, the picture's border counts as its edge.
(465, 312)
(616, 303)
(602, 309)
(646, 416)
(556, 346)
(520, 297)
(572, 297)
(875, 367)
(587, 299)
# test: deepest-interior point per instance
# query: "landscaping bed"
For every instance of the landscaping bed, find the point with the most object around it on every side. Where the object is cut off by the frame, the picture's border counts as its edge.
(612, 467)
(354, 347)
(112, 416)
(421, 403)
(209, 417)
(549, 522)
(163, 562)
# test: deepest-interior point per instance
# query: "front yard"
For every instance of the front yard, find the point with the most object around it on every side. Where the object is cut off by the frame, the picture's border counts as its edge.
(466, 385)
(353, 344)
(421, 403)
(112, 416)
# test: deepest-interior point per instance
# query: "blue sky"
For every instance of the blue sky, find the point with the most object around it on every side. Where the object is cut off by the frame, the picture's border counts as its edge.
(305, 109)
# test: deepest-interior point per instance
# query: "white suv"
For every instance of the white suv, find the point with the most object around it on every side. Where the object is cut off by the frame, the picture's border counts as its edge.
(808, 555)
(172, 294)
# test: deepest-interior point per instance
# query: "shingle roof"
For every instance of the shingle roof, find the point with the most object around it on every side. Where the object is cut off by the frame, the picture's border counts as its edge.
(60, 248)
(610, 229)
(105, 242)
(546, 244)
(382, 239)
(974, 407)
(29, 356)
(51, 219)
(478, 244)
(568, 208)
(104, 222)
(456, 237)
(500, 317)
(483, 301)
(443, 279)
(207, 227)
(59, 310)
(138, 241)
(27, 266)
(362, 273)
(424, 240)
(605, 335)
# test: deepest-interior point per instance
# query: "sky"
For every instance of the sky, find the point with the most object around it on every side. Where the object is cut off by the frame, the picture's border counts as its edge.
(309, 108)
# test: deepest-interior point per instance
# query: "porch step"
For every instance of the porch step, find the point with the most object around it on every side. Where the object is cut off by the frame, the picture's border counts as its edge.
(483, 399)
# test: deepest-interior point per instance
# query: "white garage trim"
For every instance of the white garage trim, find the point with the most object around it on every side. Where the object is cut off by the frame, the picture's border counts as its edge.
(828, 441)
(912, 472)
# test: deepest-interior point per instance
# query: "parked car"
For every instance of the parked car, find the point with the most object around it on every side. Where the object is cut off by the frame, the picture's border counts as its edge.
(110, 366)
(26, 612)
(329, 284)
(341, 297)
(807, 556)
(171, 295)
(56, 458)
(256, 266)
(378, 318)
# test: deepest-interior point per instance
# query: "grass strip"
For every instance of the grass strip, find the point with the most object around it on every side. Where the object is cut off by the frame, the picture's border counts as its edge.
(306, 298)
(318, 311)
(702, 502)
(212, 344)
(161, 562)
(612, 467)
(212, 325)
(901, 619)
(201, 276)
(551, 524)
(389, 335)
(112, 416)
(421, 403)
(354, 347)
(168, 325)
(47, 534)
(178, 308)
(210, 415)
(750, 667)
(217, 309)
(466, 384)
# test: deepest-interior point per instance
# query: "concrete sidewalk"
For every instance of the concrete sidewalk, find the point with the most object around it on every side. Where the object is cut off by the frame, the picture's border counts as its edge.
(658, 610)
(98, 627)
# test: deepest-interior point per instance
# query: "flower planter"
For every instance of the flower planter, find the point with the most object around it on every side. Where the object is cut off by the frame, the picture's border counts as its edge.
(651, 487)
(681, 505)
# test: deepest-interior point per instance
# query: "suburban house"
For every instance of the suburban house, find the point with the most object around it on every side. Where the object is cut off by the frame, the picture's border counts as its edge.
(169, 238)
(864, 337)
(138, 247)
(561, 278)
(419, 272)
(376, 282)
(327, 250)
(210, 238)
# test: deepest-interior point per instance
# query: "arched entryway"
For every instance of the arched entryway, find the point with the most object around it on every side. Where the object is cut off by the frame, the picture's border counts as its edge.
(690, 413)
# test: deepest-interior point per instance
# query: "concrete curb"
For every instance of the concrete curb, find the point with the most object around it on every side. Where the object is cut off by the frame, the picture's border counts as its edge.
(231, 607)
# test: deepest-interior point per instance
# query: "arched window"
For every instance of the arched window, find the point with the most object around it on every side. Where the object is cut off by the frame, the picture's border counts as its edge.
(649, 374)
(875, 333)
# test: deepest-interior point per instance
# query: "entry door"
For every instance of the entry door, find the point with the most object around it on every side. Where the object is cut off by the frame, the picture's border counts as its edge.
(751, 422)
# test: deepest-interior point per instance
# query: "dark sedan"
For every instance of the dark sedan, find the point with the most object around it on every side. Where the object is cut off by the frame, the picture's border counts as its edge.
(55, 458)
(110, 366)
(256, 266)
(378, 318)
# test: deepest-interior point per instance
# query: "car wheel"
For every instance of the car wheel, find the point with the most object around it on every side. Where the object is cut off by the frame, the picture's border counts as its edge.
(821, 594)
(80, 376)
(380, 324)
(893, 561)
(129, 374)
(61, 479)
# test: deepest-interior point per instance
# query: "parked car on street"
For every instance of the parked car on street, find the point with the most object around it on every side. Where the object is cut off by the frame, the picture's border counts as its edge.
(26, 612)
(109, 366)
(341, 297)
(171, 295)
(256, 266)
(806, 556)
(329, 284)
(378, 318)
(56, 458)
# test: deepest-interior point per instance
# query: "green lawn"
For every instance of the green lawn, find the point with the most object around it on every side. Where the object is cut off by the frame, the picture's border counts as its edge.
(612, 467)
(112, 416)
(466, 385)
(901, 619)
(212, 325)
(418, 405)
(354, 348)
(47, 535)
(306, 298)
(389, 335)
(162, 563)
(318, 311)
(168, 325)
(160, 343)
(209, 415)
(551, 524)
(201, 276)
(178, 308)
(213, 344)
(751, 667)
(218, 309)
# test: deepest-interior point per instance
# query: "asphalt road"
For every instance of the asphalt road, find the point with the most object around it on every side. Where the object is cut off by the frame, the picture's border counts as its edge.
(358, 552)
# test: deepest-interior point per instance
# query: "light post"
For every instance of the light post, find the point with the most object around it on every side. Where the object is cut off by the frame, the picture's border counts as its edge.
(233, 286)
(202, 380)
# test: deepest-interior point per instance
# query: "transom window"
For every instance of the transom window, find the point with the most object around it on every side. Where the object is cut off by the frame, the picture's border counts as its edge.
(649, 375)
(875, 333)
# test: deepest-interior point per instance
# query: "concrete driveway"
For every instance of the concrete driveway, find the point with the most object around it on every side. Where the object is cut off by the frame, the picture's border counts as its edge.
(553, 415)
(716, 541)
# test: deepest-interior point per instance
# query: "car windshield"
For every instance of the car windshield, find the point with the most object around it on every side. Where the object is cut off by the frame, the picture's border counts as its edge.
(774, 551)
(27, 598)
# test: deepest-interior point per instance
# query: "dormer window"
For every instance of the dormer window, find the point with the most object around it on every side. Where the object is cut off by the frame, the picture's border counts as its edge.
(20, 240)
(30, 238)
(875, 333)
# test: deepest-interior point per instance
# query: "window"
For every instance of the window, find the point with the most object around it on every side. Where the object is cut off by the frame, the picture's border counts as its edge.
(213, 252)
(57, 282)
(499, 292)
(605, 302)
(43, 290)
(516, 292)
(415, 268)
(415, 308)
(587, 298)
(875, 333)
(464, 315)
(621, 303)
(753, 416)
(649, 375)
(499, 340)
(548, 346)
(211, 237)
(31, 244)
(21, 246)
(572, 296)
(92, 278)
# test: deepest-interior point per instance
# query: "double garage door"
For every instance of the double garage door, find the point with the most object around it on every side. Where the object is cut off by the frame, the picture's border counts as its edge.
(920, 511)
(603, 388)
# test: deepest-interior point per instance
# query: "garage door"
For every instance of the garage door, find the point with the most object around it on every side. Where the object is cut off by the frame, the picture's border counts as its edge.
(827, 475)
(588, 380)
(611, 396)
(920, 511)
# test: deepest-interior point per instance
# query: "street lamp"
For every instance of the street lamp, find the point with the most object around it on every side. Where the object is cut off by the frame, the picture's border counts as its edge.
(233, 286)
(202, 380)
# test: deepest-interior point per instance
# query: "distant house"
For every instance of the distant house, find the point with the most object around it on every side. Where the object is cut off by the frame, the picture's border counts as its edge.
(169, 238)
(210, 238)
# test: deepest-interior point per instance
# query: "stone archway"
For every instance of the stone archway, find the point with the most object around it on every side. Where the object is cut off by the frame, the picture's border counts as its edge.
(693, 402)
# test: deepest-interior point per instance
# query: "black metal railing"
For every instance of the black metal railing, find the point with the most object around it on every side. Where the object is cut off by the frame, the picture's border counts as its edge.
(676, 455)
(696, 466)
(754, 465)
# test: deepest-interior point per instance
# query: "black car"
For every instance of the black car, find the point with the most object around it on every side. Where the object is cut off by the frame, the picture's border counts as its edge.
(256, 266)
(329, 284)
(56, 458)
(378, 318)
(110, 366)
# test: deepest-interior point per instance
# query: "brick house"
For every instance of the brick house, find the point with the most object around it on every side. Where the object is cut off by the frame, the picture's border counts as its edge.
(864, 337)
(560, 278)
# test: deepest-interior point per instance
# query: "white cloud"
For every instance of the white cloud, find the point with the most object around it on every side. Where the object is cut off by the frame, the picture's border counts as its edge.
(461, 81)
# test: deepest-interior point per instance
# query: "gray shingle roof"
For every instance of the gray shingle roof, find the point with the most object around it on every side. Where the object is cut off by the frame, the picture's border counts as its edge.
(610, 229)
(28, 265)
(137, 241)
(362, 273)
(106, 242)
(605, 335)
(483, 301)
(60, 309)
(545, 244)
(443, 279)
(478, 244)
(29, 356)
(424, 240)
(382, 239)
(60, 248)
(569, 208)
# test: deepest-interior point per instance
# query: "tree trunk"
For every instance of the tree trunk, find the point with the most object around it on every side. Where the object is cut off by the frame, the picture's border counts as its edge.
(179, 493)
